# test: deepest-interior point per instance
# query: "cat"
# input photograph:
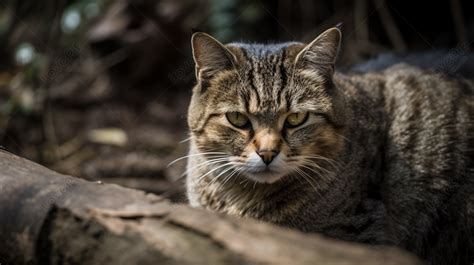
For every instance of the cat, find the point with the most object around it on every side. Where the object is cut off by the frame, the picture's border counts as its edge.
(377, 157)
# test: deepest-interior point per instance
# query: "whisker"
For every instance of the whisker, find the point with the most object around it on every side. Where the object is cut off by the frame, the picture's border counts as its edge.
(205, 163)
(230, 176)
(310, 164)
(186, 140)
(234, 170)
(222, 173)
(314, 171)
(320, 158)
(245, 182)
(319, 188)
(335, 164)
(192, 155)
(302, 174)
(212, 170)
(295, 168)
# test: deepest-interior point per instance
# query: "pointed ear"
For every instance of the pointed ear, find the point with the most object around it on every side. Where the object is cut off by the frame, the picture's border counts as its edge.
(210, 56)
(321, 53)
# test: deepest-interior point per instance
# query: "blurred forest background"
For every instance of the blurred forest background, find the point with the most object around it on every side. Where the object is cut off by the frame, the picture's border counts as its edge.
(99, 89)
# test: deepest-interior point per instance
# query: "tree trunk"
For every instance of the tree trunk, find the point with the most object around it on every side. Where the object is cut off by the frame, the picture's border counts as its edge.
(48, 218)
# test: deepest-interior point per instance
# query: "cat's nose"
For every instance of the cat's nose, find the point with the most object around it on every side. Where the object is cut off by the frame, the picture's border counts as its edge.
(267, 155)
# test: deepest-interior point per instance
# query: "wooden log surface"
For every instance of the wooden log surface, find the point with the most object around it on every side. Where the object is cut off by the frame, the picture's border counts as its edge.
(49, 218)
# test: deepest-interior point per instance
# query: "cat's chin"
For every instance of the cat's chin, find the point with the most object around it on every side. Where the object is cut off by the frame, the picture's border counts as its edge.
(267, 177)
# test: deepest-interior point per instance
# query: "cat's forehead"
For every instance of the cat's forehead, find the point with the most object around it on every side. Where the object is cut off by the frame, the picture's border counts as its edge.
(262, 51)
(264, 83)
(264, 74)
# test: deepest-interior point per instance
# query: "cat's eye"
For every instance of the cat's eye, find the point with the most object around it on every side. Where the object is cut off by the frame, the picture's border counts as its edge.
(296, 119)
(237, 119)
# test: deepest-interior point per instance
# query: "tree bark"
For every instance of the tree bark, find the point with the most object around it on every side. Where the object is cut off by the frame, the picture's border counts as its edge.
(49, 218)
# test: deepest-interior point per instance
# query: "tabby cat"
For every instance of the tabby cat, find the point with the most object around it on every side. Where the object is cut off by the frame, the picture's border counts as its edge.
(382, 157)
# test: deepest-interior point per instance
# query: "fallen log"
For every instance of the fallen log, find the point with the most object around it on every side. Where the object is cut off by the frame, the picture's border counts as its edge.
(49, 218)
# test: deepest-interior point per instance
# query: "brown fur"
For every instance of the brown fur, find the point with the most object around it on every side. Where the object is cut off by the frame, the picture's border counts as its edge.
(394, 149)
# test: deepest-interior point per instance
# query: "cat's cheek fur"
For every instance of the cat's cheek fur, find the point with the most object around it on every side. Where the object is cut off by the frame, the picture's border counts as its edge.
(329, 141)
(319, 139)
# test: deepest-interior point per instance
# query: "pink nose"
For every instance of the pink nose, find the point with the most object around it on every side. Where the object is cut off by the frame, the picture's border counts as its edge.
(267, 155)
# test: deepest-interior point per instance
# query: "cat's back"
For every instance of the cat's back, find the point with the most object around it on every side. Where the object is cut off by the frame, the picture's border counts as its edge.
(429, 117)
(419, 110)
(424, 115)
(427, 174)
(425, 120)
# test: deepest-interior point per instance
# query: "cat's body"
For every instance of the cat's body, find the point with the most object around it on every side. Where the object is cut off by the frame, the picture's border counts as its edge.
(397, 150)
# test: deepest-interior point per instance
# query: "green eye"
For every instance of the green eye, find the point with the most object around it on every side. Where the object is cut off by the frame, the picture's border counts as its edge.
(296, 119)
(237, 119)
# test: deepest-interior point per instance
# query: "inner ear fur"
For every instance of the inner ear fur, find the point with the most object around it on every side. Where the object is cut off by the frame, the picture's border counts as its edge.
(321, 53)
(210, 56)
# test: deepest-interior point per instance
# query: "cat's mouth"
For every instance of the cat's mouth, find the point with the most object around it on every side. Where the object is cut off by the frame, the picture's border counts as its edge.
(256, 170)
(266, 175)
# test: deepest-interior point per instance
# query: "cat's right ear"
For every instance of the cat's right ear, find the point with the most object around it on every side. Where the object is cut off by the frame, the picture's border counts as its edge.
(210, 56)
(322, 52)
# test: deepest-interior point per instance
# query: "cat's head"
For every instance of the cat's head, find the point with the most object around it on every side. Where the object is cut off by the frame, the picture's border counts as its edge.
(267, 111)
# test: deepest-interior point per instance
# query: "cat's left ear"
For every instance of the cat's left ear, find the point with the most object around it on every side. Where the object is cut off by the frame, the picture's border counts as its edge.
(321, 53)
(210, 56)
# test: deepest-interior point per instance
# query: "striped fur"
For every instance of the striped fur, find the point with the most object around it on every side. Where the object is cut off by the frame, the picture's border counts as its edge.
(384, 158)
